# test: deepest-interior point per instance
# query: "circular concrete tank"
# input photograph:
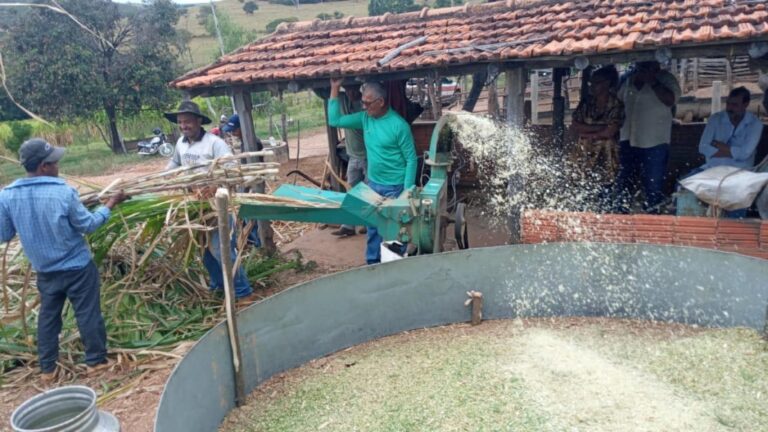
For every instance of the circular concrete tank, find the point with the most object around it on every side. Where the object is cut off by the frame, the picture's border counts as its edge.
(675, 284)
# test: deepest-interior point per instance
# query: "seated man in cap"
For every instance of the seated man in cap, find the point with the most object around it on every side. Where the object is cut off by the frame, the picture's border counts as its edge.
(195, 147)
(50, 220)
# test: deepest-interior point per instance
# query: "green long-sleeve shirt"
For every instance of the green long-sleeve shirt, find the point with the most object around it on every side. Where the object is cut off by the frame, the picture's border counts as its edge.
(388, 142)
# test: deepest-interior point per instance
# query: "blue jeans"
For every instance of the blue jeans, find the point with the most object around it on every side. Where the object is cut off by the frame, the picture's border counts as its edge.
(81, 287)
(356, 168)
(650, 164)
(212, 263)
(373, 246)
(253, 236)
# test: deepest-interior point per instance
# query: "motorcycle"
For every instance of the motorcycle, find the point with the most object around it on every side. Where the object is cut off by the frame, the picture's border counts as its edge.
(158, 144)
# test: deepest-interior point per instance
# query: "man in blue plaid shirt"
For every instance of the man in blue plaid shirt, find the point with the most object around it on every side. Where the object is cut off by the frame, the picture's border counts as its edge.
(50, 220)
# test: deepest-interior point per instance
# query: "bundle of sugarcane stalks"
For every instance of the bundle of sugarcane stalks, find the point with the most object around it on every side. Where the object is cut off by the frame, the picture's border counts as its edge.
(227, 171)
(154, 291)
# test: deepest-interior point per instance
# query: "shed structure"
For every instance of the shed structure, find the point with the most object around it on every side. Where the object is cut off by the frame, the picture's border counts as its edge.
(509, 37)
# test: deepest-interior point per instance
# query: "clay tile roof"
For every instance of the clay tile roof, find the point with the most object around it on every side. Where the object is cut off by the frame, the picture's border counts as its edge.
(491, 32)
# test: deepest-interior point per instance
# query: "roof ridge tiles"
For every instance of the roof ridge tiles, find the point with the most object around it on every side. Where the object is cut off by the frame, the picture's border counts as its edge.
(534, 28)
(425, 13)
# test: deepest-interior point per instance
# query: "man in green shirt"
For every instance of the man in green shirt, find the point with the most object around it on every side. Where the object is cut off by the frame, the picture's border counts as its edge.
(389, 146)
(351, 102)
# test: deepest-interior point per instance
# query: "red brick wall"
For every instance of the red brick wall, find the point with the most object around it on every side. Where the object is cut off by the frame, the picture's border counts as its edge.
(747, 237)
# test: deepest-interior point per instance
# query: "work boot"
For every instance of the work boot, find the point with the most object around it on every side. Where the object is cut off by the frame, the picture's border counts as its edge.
(48, 377)
(246, 300)
(103, 366)
(344, 232)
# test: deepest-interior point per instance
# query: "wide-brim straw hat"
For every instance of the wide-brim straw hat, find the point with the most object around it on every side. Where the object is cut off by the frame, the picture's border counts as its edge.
(186, 107)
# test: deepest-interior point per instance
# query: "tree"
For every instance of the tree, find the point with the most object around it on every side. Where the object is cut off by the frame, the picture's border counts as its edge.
(325, 16)
(250, 7)
(9, 110)
(64, 72)
(272, 25)
(380, 7)
(448, 3)
(203, 14)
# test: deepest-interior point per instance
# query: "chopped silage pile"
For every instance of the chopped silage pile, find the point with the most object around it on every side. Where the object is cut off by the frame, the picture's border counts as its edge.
(565, 374)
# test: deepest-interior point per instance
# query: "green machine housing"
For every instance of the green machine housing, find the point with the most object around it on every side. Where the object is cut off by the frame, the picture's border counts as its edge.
(419, 216)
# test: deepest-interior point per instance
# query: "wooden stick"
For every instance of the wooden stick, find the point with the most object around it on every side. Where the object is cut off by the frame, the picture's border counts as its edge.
(322, 179)
(222, 208)
(6, 302)
(476, 300)
(397, 51)
(109, 187)
(346, 185)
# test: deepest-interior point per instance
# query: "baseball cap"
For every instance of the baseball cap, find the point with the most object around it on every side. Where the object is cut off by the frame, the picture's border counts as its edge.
(232, 124)
(36, 151)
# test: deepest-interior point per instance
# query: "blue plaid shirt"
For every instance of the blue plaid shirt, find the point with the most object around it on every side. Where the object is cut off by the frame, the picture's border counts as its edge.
(50, 220)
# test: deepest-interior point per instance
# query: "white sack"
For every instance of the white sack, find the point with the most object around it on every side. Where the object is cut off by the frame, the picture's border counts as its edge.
(737, 191)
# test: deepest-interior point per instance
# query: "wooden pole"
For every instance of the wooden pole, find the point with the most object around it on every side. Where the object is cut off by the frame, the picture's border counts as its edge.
(476, 301)
(558, 108)
(515, 101)
(478, 82)
(244, 108)
(515, 118)
(333, 141)
(283, 120)
(717, 95)
(434, 92)
(728, 75)
(493, 99)
(535, 98)
(683, 73)
(586, 75)
(477, 309)
(695, 74)
(225, 236)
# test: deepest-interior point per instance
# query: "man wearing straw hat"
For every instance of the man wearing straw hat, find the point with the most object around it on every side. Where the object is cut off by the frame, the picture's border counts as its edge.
(50, 220)
(196, 147)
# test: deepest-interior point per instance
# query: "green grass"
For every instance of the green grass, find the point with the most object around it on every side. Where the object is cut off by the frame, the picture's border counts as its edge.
(304, 108)
(80, 160)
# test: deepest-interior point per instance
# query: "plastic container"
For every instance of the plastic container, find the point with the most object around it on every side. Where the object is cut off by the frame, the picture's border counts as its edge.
(387, 254)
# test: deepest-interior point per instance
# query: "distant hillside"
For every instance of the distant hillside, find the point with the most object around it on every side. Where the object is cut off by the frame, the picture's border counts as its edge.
(205, 48)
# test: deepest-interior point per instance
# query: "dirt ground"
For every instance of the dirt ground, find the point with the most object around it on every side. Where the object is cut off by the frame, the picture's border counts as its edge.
(134, 404)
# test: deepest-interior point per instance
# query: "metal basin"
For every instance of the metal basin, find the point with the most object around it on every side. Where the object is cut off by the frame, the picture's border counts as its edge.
(664, 283)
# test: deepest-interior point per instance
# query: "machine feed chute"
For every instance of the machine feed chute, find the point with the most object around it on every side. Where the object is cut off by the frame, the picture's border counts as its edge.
(419, 216)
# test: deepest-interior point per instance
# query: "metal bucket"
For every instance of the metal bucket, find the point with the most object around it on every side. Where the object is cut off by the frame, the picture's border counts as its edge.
(63, 409)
